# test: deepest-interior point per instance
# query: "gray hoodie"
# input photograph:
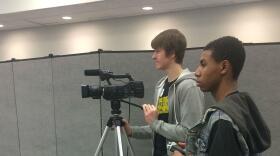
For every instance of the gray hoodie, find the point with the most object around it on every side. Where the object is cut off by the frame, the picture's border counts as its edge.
(186, 107)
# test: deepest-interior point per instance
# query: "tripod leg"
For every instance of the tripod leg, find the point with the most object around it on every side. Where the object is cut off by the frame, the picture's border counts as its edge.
(117, 150)
(104, 135)
(128, 143)
(118, 129)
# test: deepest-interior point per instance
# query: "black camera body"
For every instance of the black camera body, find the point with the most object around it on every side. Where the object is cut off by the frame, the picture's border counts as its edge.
(112, 92)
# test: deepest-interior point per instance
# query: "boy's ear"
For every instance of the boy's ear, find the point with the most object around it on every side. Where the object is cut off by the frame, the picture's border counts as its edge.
(225, 67)
(173, 54)
(170, 55)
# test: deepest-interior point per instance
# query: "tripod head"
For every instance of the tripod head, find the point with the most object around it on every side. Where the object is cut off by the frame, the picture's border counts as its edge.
(116, 119)
(115, 106)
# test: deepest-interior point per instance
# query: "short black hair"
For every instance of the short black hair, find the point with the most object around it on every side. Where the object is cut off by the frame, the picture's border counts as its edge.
(231, 49)
(172, 41)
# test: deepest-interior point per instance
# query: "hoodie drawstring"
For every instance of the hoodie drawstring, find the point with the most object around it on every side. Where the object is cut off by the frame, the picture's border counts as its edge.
(174, 90)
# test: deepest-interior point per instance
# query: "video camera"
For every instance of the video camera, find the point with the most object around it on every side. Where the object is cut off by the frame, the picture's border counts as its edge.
(112, 92)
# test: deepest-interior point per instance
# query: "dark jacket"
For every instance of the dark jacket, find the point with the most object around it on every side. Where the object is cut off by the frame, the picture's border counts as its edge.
(245, 114)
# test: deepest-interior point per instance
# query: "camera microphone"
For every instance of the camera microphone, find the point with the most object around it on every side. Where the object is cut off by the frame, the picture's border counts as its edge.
(96, 72)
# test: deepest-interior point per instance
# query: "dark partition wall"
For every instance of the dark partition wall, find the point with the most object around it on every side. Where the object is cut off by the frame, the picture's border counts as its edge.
(77, 119)
(33, 92)
(261, 78)
(42, 112)
(191, 59)
(9, 144)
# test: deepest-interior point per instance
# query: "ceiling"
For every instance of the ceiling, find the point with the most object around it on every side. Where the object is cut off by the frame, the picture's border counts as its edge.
(15, 14)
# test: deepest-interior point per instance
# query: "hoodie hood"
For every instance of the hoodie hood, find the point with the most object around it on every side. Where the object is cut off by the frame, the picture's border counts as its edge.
(245, 114)
(186, 74)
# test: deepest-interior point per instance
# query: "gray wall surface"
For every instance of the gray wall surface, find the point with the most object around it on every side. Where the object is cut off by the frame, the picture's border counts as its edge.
(77, 120)
(35, 111)
(256, 22)
(8, 113)
(42, 112)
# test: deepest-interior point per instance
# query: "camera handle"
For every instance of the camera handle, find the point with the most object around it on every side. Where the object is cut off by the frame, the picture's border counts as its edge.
(133, 104)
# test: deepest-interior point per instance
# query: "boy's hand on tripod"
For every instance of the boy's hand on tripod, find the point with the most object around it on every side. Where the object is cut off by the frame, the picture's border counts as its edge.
(127, 127)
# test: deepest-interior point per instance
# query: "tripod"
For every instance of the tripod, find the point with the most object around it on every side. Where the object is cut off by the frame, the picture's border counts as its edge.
(115, 122)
